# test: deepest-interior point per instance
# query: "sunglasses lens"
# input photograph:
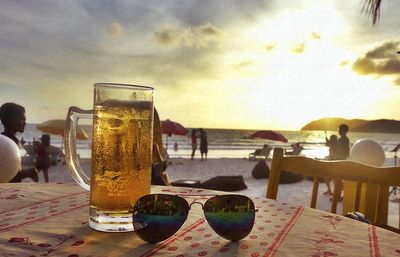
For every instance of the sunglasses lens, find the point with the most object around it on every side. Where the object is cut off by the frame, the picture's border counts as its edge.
(157, 217)
(230, 216)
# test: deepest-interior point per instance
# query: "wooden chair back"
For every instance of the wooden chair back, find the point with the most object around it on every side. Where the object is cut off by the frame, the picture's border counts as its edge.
(336, 170)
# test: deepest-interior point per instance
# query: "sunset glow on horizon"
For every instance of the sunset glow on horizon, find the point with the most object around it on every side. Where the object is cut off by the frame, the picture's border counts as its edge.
(213, 64)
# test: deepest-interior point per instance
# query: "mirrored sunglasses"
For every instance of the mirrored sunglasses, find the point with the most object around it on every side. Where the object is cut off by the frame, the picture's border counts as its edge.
(157, 217)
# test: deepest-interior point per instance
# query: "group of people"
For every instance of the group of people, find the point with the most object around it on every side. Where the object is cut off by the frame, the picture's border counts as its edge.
(13, 118)
(202, 134)
(339, 149)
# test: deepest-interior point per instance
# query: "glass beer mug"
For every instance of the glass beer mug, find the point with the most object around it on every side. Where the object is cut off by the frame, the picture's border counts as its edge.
(121, 153)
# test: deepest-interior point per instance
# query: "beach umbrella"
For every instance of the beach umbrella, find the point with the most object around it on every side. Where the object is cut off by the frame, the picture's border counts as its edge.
(269, 134)
(56, 127)
(396, 148)
(170, 128)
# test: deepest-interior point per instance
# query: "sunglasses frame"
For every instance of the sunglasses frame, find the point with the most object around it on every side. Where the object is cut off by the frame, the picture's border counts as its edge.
(195, 201)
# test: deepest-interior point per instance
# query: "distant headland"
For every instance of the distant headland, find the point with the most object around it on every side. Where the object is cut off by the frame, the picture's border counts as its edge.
(356, 125)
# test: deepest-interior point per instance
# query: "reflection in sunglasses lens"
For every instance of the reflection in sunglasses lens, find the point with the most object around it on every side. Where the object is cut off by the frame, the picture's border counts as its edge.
(157, 217)
(231, 216)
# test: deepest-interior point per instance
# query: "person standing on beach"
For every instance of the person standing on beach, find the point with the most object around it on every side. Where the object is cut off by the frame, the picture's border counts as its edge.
(13, 118)
(332, 143)
(43, 158)
(343, 151)
(203, 144)
(194, 144)
(343, 143)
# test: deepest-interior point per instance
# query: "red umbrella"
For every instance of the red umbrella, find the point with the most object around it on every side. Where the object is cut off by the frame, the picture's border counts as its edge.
(170, 127)
(269, 134)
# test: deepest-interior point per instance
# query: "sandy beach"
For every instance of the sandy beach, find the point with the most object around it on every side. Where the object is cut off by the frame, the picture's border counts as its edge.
(181, 168)
(178, 169)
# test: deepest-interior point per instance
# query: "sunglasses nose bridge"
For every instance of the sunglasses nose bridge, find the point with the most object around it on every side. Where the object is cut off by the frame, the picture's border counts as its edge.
(202, 205)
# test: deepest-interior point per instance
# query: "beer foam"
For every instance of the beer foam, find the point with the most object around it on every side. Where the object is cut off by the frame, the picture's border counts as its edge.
(142, 105)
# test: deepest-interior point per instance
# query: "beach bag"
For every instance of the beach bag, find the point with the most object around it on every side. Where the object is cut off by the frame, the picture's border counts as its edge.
(156, 174)
(186, 183)
(225, 183)
(159, 175)
(288, 177)
(261, 170)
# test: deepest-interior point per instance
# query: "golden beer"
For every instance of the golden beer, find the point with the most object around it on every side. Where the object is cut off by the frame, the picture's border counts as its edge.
(121, 154)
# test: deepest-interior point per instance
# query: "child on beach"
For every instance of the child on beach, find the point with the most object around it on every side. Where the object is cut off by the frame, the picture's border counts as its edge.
(332, 143)
(43, 158)
(13, 118)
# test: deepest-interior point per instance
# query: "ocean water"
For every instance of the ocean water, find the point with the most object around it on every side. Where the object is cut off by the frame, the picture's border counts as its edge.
(234, 143)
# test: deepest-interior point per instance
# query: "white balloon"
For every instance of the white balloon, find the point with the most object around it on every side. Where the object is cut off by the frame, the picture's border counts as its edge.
(10, 159)
(367, 151)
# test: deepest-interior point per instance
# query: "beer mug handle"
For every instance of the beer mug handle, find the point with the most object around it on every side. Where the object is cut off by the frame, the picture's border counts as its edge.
(71, 157)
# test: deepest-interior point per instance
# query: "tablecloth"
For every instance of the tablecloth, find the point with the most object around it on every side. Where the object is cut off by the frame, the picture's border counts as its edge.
(42, 219)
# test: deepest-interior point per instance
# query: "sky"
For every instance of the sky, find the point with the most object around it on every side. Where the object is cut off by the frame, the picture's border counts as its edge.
(254, 64)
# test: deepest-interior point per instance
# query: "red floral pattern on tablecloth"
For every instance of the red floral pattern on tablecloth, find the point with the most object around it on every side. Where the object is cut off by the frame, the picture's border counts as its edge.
(45, 249)
(35, 210)
(43, 210)
(10, 193)
(325, 236)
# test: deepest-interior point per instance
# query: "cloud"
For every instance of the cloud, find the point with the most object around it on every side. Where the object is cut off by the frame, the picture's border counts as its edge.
(364, 66)
(381, 60)
(221, 12)
(243, 64)
(115, 30)
(388, 67)
(315, 36)
(165, 37)
(344, 63)
(191, 37)
(270, 47)
(386, 50)
(209, 30)
(298, 49)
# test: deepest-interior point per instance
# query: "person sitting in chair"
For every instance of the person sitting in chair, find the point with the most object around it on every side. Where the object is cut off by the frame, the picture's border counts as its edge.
(297, 148)
(262, 152)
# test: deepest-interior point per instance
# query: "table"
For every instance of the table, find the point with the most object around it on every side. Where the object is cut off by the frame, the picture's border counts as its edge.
(51, 220)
